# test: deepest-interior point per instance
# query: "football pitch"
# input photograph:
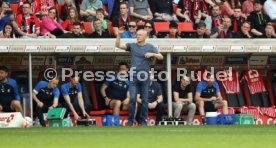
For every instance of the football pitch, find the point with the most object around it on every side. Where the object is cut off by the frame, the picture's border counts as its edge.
(141, 137)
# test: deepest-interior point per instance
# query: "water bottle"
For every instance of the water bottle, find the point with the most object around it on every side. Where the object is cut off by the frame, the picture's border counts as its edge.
(69, 121)
(37, 123)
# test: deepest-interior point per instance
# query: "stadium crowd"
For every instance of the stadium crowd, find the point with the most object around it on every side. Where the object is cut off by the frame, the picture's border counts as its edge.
(102, 18)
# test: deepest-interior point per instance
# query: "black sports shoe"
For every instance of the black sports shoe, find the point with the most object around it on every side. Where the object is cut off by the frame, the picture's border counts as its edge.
(203, 120)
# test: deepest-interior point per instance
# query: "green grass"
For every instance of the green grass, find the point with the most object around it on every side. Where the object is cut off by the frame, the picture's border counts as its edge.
(141, 137)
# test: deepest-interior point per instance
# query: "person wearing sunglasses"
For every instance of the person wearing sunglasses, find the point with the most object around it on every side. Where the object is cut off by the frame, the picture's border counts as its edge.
(131, 33)
(150, 31)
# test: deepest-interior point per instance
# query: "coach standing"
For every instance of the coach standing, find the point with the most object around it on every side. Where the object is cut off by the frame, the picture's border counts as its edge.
(141, 54)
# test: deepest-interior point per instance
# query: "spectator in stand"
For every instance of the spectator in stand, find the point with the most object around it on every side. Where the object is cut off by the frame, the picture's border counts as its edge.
(99, 32)
(224, 30)
(8, 31)
(188, 11)
(140, 10)
(45, 97)
(63, 2)
(229, 6)
(269, 31)
(202, 6)
(201, 31)
(245, 31)
(45, 6)
(150, 30)
(213, 21)
(184, 11)
(208, 97)
(247, 7)
(88, 9)
(115, 91)
(76, 32)
(173, 32)
(131, 33)
(163, 10)
(183, 99)
(100, 16)
(122, 20)
(9, 95)
(71, 19)
(270, 9)
(28, 22)
(34, 6)
(258, 20)
(65, 9)
(236, 20)
(113, 8)
(5, 15)
(155, 100)
(50, 24)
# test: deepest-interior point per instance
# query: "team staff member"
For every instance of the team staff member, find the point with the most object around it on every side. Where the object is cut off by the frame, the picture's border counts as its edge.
(208, 97)
(115, 92)
(72, 97)
(183, 99)
(9, 96)
(45, 96)
(141, 55)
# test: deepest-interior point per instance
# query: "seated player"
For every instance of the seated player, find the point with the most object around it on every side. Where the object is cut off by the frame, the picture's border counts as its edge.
(208, 97)
(9, 96)
(115, 92)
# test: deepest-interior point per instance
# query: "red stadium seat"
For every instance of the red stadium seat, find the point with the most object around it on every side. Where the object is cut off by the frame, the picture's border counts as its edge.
(141, 24)
(186, 30)
(185, 26)
(110, 29)
(105, 7)
(161, 28)
(14, 8)
(58, 6)
(87, 27)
